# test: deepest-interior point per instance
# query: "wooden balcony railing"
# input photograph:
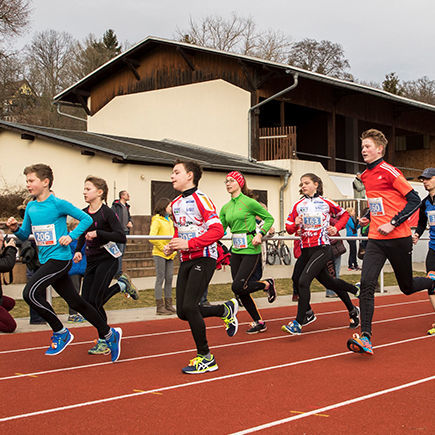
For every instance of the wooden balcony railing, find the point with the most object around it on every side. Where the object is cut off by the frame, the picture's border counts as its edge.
(277, 143)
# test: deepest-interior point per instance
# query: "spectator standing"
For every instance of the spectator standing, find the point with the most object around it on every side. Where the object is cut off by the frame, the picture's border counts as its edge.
(352, 226)
(121, 207)
(359, 191)
(162, 225)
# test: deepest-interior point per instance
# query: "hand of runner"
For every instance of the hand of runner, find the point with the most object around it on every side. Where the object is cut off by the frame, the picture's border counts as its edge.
(91, 235)
(167, 250)
(77, 257)
(298, 220)
(332, 231)
(415, 238)
(65, 240)
(385, 229)
(364, 221)
(179, 244)
(257, 240)
(12, 224)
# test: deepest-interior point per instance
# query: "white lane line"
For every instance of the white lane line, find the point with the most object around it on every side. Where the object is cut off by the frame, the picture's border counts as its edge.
(335, 406)
(187, 330)
(218, 346)
(203, 381)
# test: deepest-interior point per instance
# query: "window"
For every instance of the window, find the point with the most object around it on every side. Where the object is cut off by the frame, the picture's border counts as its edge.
(161, 189)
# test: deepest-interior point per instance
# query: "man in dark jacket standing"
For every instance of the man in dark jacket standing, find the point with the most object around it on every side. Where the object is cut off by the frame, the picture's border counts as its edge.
(122, 210)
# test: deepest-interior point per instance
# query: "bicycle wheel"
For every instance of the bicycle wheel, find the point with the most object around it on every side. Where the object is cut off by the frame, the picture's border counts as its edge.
(270, 253)
(284, 253)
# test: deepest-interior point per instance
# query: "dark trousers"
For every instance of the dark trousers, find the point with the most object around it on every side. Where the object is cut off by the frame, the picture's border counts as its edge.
(399, 253)
(96, 281)
(317, 262)
(55, 273)
(352, 262)
(7, 322)
(243, 268)
(430, 260)
(192, 280)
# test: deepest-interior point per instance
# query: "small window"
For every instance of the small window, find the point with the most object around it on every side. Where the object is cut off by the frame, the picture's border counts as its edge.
(161, 189)
(260, 196)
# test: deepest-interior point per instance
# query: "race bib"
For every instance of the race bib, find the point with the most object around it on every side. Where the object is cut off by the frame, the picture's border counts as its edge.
(45, 235)
(376, 206)
(112, 249)
(312, 221)
(240, 241)
(431, 218)
(187, 232)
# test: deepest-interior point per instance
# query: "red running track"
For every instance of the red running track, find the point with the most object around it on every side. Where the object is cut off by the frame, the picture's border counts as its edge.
(271, 382)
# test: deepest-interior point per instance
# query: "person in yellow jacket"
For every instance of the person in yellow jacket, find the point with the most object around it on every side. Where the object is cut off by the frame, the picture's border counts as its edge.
(162, 225)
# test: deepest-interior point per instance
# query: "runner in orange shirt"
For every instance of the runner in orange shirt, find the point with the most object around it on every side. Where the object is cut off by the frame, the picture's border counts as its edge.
(392, 201)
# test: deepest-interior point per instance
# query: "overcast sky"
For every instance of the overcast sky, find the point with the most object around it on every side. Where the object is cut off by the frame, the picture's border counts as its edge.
(378, 36)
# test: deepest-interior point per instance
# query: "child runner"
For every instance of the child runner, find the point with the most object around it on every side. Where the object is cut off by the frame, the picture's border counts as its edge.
(197, 229)
(310, 217)
(427, 215)
(45, 217)
(240, 216)
(392, 201)
(101, 254)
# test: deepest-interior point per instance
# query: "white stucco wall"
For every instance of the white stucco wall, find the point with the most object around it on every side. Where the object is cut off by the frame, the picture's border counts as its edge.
(211, 114)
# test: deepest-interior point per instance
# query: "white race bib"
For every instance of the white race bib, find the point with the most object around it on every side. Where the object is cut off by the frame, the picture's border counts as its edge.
(240, 241)
(431, 218)
(376, 206)
(187, 232)
(45, 235)
(112, 249)
(312, 221)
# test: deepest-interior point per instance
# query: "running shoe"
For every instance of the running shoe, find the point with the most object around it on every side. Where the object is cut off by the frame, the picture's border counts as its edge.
(256, 327)
(75, 318)
(130, 288)
(114, 343)
(200, 365)
(310, 317)
(293, 328)
(431, 274)
(360, 344)
(59, 341)
(100, 348)
(354, 318)
(271, 291)
(230, 320)
(432, 330)
(358, 292)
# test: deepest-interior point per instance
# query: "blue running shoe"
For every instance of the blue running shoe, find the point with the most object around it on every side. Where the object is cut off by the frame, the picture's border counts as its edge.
(293, 328)
(200, 365)
(130, 289)
(360, 344)
(59, 341)
(431, 274)
(230, 320)
(114, 343)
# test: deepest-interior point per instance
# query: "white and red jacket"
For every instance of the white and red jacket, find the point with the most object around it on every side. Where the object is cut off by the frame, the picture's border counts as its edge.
(196, 220)
(316, 214)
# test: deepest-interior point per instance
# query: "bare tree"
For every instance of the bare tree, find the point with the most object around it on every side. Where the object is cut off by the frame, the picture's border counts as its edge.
(238, 35)
(422, 89)
(323, 57)
(14, 15)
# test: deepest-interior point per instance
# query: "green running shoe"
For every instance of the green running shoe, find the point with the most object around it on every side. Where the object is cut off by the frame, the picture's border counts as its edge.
(100, 348)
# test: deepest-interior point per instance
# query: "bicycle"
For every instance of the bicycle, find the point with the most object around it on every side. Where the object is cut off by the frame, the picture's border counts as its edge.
(277, 248)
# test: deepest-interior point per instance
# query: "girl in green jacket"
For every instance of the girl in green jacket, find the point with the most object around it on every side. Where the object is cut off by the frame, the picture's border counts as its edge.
(239, 215)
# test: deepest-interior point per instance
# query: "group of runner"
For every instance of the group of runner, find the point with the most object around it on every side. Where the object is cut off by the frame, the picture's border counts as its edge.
(198, 227)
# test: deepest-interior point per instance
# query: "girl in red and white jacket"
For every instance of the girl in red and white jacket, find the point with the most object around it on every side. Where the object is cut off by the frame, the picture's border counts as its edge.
(310, 218)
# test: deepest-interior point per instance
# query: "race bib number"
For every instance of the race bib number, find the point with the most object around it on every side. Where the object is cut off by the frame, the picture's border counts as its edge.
(45, 235)
(240, 241)
(112, 249)
(376, 206)
(187, 232)
(431, 218)
(312, 221)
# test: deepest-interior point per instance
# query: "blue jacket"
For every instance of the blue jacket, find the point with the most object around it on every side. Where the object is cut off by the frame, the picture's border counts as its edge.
(80, 267)
(427, 215)
(351, 227)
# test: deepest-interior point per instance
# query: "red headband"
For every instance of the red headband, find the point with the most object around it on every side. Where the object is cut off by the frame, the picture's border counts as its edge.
(238, 177)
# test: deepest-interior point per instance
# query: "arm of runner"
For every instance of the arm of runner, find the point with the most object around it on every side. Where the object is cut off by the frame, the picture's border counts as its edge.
(85, 221)
(422, 222)
(117, 234)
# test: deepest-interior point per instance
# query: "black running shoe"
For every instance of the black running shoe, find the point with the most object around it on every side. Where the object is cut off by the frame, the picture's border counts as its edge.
(257, 327)
(310, 317)
(271, 290)
(354, 318)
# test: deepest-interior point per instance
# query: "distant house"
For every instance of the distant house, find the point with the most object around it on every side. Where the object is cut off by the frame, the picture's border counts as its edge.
(19, 94)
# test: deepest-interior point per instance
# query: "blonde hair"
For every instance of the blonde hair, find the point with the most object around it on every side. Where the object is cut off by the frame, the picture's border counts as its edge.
(377, 137)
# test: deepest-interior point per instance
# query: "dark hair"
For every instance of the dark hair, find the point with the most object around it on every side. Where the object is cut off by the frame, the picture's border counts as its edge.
(42, 171)
(160, 207)
(121, 192)
(315, 179)
(99, 183)
(378, 138)
(193, 167)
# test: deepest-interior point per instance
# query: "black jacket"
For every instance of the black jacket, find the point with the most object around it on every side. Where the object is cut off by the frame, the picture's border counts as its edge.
(7, 263)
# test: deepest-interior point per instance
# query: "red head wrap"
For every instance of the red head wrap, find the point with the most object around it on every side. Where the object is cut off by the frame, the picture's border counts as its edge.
(238, 177)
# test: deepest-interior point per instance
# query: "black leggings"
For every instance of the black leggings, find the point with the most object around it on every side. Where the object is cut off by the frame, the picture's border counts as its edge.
(316, 262)
(193, 278)
(55, 273)
(430, 260)
(399, 254)
(243, 267)
(352, 261)
(96, 281)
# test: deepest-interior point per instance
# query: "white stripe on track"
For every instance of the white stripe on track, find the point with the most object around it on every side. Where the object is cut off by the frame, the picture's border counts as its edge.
(178, 352)
(178, 331)
(335, 406)
(194, 383)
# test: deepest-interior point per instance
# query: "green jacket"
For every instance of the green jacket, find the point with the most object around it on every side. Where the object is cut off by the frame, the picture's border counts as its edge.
(239, 215)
